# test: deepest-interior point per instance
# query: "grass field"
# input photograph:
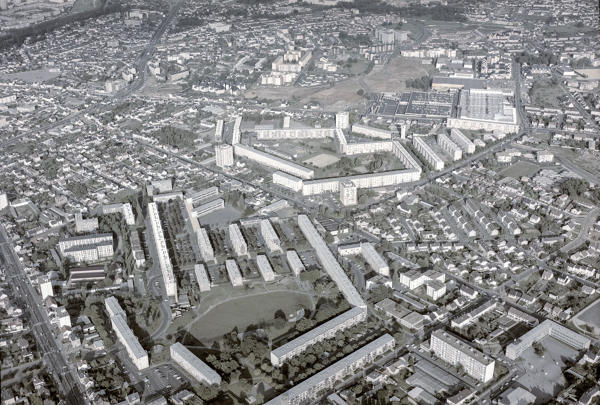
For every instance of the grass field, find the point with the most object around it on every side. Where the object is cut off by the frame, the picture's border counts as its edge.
(520, 169)
(245, 311)
(545, 94)
(392, 76)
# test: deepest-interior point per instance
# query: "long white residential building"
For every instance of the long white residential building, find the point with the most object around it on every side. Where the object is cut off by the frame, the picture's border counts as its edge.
(160, 248)
(118, 320)
(309, 389)
(87, 248)
(273, 161)
(360, 147)
(202, 277)
(204, 195)
(405, 157)
(233, 271)
(206, 250)
(449, 147)
(294, 262)
(369, 180)
(324, 331)
(287, 180)
(456, 351)
(370, 131)
(209, 207)
(427, 153)
(329, 262)
(219, 131)
(193, 365)
(238, 243)
(547, 328)
(375, 260)
(270, 236)
(237, 131)
(264, 267)
(462, 141)
(295, 133)
(368, 252)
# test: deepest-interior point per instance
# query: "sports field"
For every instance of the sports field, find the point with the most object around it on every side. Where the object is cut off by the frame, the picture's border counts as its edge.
(520, 169)
(245, 311)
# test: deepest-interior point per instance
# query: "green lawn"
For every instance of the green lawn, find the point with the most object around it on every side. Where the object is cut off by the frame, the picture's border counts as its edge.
(245, 311)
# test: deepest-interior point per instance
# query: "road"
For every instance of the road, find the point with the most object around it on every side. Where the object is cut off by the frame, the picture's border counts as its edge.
(586, 224)
(578, 170)
(58, 365)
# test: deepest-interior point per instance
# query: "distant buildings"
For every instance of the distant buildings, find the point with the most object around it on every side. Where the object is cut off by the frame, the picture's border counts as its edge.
(455, 351)
(118, 319)
(193, 365)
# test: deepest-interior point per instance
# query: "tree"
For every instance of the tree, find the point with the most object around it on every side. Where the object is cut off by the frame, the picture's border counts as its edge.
(538, 349)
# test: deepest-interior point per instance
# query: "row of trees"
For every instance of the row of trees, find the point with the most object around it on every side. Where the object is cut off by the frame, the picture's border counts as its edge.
(421, 83)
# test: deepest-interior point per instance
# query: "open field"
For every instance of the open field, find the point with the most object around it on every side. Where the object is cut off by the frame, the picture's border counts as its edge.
(589, 316)
(392, 76)
(520, 169)
(322, 160)
(31, 76)
(389, 78)
(545, 94)
(245, 311)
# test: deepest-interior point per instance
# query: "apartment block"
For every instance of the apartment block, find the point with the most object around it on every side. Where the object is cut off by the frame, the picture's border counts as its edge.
(456, 351)
(193, 365)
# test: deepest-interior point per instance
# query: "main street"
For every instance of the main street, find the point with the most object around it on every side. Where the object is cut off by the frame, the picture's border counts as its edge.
(60, 368)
